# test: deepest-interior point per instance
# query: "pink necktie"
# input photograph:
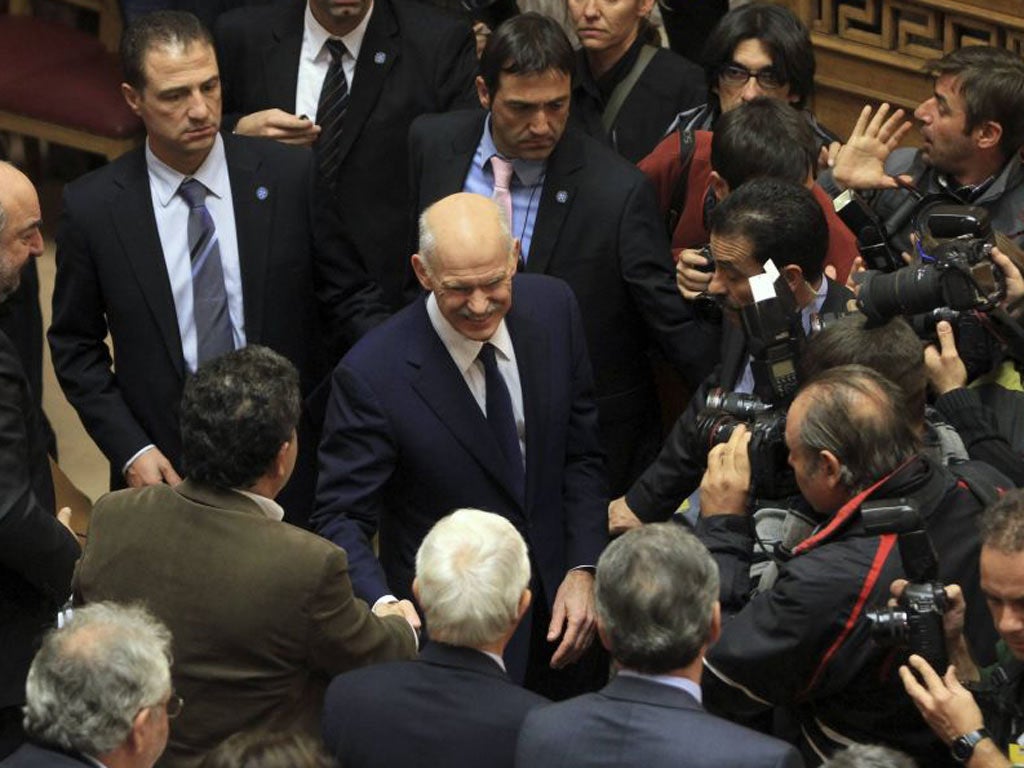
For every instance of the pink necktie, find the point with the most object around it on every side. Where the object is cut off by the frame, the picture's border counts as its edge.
(502, 179)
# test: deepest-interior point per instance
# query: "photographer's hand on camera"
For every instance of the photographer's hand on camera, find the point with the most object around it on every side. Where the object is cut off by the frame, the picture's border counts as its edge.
(860, 162)
(690, 278)
(946, 371)
(725, 487)
(949, 709)
(1014, 284)
(952, 627)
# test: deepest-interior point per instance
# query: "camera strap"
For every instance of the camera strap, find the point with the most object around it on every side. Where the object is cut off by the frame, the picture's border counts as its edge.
(687, 146)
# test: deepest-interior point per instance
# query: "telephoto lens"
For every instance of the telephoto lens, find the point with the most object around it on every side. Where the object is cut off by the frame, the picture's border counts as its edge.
(907, 291)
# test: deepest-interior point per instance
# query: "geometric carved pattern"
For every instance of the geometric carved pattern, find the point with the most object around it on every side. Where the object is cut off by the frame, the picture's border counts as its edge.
(923, 29)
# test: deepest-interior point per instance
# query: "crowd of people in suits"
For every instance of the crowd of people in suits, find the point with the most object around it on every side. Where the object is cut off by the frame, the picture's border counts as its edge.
(361, 501)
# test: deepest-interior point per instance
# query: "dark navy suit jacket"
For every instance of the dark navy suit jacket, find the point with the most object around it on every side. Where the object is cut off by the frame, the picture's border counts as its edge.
(405, 443)
(633, 721)
(456, 707)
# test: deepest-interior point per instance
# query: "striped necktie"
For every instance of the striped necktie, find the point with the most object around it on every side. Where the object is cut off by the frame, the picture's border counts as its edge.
(330, 114)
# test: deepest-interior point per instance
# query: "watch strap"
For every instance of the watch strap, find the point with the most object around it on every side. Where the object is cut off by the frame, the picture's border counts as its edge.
(963, 746)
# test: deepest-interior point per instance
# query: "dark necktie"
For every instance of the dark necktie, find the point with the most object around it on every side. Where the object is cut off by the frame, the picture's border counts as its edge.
(330, 114)
(500, 415)
(214, 336)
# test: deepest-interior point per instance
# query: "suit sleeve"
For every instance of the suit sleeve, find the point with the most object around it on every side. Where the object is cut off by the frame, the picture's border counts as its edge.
(350, 299)
(457, 66)
(344, 634)
(357, 458)
(646, 267)
(77, 339)
(585, 491)
(33, 543)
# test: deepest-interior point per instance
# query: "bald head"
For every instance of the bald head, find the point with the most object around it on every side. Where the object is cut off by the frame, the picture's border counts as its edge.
(20, 219)
(466, 259)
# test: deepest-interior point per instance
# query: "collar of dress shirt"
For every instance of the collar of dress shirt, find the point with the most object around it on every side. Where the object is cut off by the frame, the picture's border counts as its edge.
(496, 659)
(213, 174)
(682, 683)
(319, 36)
(465, 351)
(527, 172)
(268, 507)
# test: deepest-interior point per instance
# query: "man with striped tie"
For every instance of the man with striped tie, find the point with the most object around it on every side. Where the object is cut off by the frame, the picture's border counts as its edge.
(191, 246)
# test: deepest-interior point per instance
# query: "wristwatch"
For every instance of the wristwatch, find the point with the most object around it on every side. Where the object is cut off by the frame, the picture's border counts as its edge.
(963, 746)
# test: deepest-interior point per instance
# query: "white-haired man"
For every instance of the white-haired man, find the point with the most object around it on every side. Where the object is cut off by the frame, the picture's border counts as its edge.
(99, 692)
(455, 702)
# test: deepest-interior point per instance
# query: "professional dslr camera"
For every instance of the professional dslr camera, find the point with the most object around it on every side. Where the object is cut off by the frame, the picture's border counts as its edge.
(774, 338)
(915, 624)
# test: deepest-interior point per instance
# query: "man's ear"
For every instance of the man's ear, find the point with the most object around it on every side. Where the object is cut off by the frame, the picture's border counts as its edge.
(482, 93)
(416, 590)
(794, 277)
(988, 135)
(715, 630)
(133, 97)
(602, 634)
(831, 468)
(419, 266)
(281, 460)
(719, 186)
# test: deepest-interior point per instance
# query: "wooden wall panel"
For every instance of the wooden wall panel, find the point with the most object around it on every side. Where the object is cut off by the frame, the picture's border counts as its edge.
(869, 51)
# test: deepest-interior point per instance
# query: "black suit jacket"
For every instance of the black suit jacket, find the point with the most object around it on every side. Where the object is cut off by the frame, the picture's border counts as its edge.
(111, 275)
(633, 721)
(37, 553)
(598, 229)
(414, 59)
(32, 756)
(450, 707)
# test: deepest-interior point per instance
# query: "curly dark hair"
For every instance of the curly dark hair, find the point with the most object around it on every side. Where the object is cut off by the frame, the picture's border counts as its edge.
(236, 412)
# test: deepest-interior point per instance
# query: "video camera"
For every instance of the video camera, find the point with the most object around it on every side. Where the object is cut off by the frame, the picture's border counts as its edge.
(916, 622)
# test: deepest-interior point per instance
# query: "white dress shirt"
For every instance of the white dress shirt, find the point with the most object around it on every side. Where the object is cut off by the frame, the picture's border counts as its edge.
(464, 354)
(171, 212)
(315, 59)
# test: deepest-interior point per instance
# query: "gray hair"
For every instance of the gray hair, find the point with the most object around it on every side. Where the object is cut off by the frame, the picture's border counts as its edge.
(93, 676)
(428, 238)
(857, 414)
(870, 756)
(471, 571)
(656, 590)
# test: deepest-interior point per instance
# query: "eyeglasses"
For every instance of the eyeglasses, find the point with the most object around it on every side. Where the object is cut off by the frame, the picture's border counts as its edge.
(173, 705)
(737, 74)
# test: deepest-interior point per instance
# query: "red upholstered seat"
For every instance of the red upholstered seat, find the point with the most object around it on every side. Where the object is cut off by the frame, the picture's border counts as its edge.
(27, 44)
(89, 96)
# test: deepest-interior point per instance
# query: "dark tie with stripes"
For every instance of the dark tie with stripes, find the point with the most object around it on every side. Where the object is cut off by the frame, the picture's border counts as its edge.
(330, 114)
(500, 415)
(214, 336)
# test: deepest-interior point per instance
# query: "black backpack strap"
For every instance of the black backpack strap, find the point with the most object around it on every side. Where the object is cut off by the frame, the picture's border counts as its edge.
(687, 144)
(985, 483)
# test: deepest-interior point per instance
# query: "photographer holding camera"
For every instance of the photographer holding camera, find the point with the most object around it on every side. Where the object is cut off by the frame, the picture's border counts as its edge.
(806, 643)
(987, 732)
(763, 220)
(972, 129)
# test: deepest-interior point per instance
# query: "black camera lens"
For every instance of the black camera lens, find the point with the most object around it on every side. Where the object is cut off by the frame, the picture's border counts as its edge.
(907, 291)
(736, 403)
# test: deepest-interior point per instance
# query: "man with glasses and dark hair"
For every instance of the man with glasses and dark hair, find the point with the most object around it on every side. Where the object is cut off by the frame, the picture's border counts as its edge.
(262, 612)
(99, 692)
(756, 50)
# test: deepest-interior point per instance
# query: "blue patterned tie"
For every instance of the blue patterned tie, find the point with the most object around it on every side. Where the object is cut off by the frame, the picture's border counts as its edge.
(330, 114)
(214, 336)
(500, 415)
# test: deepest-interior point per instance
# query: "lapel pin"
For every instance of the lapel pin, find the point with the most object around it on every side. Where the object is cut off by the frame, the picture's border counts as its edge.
(379, 57)
(562, 196)
(262, 193)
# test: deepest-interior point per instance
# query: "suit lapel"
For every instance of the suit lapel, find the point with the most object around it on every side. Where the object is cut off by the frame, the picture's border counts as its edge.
(453, 167)
(134, 221)
(557, 198)
(531, 346)
(253, 192)
(377, 54)
(441, 386)
(281, 58)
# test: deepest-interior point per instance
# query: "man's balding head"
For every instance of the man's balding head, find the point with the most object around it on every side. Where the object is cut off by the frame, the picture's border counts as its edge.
(20, 219)
(467, 258)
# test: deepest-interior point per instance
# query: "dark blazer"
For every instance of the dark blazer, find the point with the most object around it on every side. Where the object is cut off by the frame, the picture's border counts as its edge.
(456, 705)
(31, 756)
(405, 443)
(670, 84)
(598, 229)
(37, 553)
(633, 721)
(261, 613)
(111, 276)
(414, 59)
